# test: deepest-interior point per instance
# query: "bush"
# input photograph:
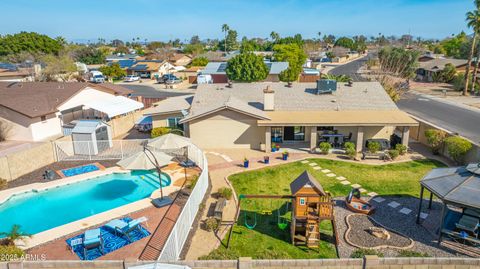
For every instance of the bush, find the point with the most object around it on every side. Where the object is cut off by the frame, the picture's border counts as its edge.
(10, 253)
(402, 149)
(393, 153)
(411, 253)
(350, 150)
(361, 252)
(211, 224)
(325, 147)
(199, 61)
(373, 147)
(192, 182)
(457, 147)
(225, 193)
(435, 139)
(3, 184)
(159, 131)
(221, 253)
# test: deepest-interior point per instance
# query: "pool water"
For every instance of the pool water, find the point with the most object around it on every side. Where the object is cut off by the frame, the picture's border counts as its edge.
(40, 211)
(80, 170)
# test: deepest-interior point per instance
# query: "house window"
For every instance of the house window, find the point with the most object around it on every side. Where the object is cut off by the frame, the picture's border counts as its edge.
(277, 134)
(299, 133)
(302, 201)
(174, 123)
(43, 118)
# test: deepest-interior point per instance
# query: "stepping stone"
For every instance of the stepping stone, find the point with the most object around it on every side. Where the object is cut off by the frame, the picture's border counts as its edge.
(326, 171)
(393, 204)
(405, 211)
(313, 164)
(356, 185)
(305, 161)
(371, 194)
(379, 199)
(341, 178)
(423, 215)
(362, 190)
(345, 182)
(331, 175)
(317, 168)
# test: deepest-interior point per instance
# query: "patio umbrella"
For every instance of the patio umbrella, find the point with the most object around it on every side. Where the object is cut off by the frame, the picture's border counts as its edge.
(171, 141)
(147, 160)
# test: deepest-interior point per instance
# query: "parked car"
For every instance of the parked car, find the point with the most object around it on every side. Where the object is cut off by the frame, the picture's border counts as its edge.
(168, 79)
(131, 78)
(97, 77)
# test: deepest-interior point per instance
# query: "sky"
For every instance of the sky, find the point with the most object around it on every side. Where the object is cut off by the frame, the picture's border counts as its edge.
(81, 20)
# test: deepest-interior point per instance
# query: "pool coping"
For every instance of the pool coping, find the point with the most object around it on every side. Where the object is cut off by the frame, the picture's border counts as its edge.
(84, 223)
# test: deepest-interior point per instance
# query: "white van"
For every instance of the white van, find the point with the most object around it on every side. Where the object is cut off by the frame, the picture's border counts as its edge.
(96, 77)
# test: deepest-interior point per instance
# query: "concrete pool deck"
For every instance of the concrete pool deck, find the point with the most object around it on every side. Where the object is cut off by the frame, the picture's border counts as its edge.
(72, 227)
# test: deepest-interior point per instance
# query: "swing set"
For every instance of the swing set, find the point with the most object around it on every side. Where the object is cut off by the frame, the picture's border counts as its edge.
(281, 221)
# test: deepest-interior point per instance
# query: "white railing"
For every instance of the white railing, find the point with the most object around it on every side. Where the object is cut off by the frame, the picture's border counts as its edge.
(173, 247)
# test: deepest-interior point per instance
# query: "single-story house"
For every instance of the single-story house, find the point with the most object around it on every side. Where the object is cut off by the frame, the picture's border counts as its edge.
(218, 71)
(169, 112)
(428, 69)
(255, 115)
(151, 68)
(190, 73)
(39, 111)
(11, 72)
(180, 59)
(428, 56)
(124, 64)
(120, 56)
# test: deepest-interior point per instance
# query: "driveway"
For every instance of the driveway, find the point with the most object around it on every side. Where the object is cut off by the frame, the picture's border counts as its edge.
(453, 117)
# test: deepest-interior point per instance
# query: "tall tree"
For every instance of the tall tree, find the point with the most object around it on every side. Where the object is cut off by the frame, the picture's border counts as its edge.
(476, 29)
(472, 18)
(246, 67)
(274, 36)
(225, 30)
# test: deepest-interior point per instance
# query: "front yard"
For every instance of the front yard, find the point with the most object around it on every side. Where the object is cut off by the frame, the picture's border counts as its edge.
(267, 241)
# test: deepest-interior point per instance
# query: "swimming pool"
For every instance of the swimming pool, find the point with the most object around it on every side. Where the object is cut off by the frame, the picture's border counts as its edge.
(80, 170)
(43, 210)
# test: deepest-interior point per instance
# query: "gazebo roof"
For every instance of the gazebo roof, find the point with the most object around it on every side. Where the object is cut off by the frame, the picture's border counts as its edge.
(457, 185)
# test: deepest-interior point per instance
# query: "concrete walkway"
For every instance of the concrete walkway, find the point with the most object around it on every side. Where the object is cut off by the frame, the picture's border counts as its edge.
(204, 242)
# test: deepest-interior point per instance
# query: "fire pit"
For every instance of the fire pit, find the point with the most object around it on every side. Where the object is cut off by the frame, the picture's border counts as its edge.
(364, 232)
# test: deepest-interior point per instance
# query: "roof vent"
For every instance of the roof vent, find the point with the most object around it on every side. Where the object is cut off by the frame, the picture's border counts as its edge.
(326, 86)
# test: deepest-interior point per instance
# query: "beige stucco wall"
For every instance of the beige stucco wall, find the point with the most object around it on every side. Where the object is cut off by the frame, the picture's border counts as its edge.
(161, 120)
(227, 129)
(123, 124)
(368, 132)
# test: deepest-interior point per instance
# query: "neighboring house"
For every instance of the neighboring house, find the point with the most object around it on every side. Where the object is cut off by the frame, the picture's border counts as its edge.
(11, 72)
(180, 59)
(427, 70)
(218, 71)
(120, 56)
(428, 56)
(169, 112)
(255, 115)
(124, 64)
(38, 111)
(190, 73)
(151, 68)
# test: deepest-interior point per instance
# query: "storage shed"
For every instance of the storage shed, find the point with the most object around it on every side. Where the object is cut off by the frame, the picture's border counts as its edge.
(91, 137)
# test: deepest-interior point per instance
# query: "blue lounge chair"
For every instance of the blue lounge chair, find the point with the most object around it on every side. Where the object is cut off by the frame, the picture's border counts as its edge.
(125, 228)
(92, 240)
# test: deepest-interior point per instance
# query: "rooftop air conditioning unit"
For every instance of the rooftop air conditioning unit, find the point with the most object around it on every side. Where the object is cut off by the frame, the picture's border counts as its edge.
(326, 86)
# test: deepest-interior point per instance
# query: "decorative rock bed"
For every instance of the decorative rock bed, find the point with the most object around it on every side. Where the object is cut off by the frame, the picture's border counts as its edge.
(364, 232)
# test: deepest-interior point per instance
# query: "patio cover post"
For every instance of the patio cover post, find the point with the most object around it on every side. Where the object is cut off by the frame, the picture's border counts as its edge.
(430, 202)
(268, 139)
(359, 139)
(444, 212)
(405, 135)
(313, 139)
(420, 205)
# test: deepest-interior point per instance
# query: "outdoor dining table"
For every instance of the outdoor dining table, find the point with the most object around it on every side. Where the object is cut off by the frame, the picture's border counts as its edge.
(331, 137)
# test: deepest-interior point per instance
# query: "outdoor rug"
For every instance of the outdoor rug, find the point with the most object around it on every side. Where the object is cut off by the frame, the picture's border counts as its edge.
(111, 242)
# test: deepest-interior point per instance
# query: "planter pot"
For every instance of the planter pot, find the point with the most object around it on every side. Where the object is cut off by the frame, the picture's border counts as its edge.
(285, 157)
(266, 160)
(245, 164)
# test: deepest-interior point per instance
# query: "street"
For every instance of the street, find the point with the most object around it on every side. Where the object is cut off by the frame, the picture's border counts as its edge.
(454, 118)
(351, 69)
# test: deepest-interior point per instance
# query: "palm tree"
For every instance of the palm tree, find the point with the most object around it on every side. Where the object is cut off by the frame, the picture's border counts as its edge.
(473, 21)
(225, 30)
(274, 36)
(14, 235)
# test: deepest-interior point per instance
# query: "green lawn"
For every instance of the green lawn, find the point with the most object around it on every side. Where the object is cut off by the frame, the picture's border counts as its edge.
(267, 241)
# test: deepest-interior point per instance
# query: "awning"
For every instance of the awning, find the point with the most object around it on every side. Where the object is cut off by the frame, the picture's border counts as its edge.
(114, 105)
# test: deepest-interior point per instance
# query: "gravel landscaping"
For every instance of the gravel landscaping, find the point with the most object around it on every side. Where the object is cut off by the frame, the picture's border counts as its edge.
(423, 235)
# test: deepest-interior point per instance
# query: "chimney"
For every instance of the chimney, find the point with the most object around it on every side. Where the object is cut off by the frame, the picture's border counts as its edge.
(268, 99)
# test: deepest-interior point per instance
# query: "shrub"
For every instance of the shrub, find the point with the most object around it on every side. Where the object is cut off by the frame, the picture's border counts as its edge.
(8, 253)
(221, 253)
(411, 253)
(3, 184)
(435, 139)
(361, 252)
(457, 147)
(225, 193)
(351, 152)
(211, 224)
(349, 145)
(159, 131)
(192, 182)
(373, 147)
(402, 149)
(393, 153)
(325, 147)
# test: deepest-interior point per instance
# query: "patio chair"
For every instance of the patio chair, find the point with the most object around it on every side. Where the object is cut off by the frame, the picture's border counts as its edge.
(92, 240)
(468, 223)
(125, 228)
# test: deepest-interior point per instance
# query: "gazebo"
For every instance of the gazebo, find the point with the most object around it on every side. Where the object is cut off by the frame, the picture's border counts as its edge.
(457, 187)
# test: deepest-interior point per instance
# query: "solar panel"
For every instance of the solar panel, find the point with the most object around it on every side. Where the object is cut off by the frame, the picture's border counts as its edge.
(222, 67)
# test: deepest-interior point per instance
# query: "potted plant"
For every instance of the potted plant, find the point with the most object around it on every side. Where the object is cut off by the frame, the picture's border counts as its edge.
(277, 147)
(245, 162)
(266, 159)
(274, 147)
(285, 155)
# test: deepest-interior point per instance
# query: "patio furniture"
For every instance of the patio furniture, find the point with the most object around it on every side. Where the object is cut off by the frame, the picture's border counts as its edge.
(219, 206)
(468, 223)
(125, 228)
(472, 212)
(49, 174)
(92, 240)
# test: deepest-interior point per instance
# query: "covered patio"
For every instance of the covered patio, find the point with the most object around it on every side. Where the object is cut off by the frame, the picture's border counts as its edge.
(459, 190)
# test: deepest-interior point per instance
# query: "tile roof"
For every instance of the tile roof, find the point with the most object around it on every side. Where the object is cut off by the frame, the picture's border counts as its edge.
(35, 99)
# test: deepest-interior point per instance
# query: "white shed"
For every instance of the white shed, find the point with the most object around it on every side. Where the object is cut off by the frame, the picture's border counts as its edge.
(91, 137)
